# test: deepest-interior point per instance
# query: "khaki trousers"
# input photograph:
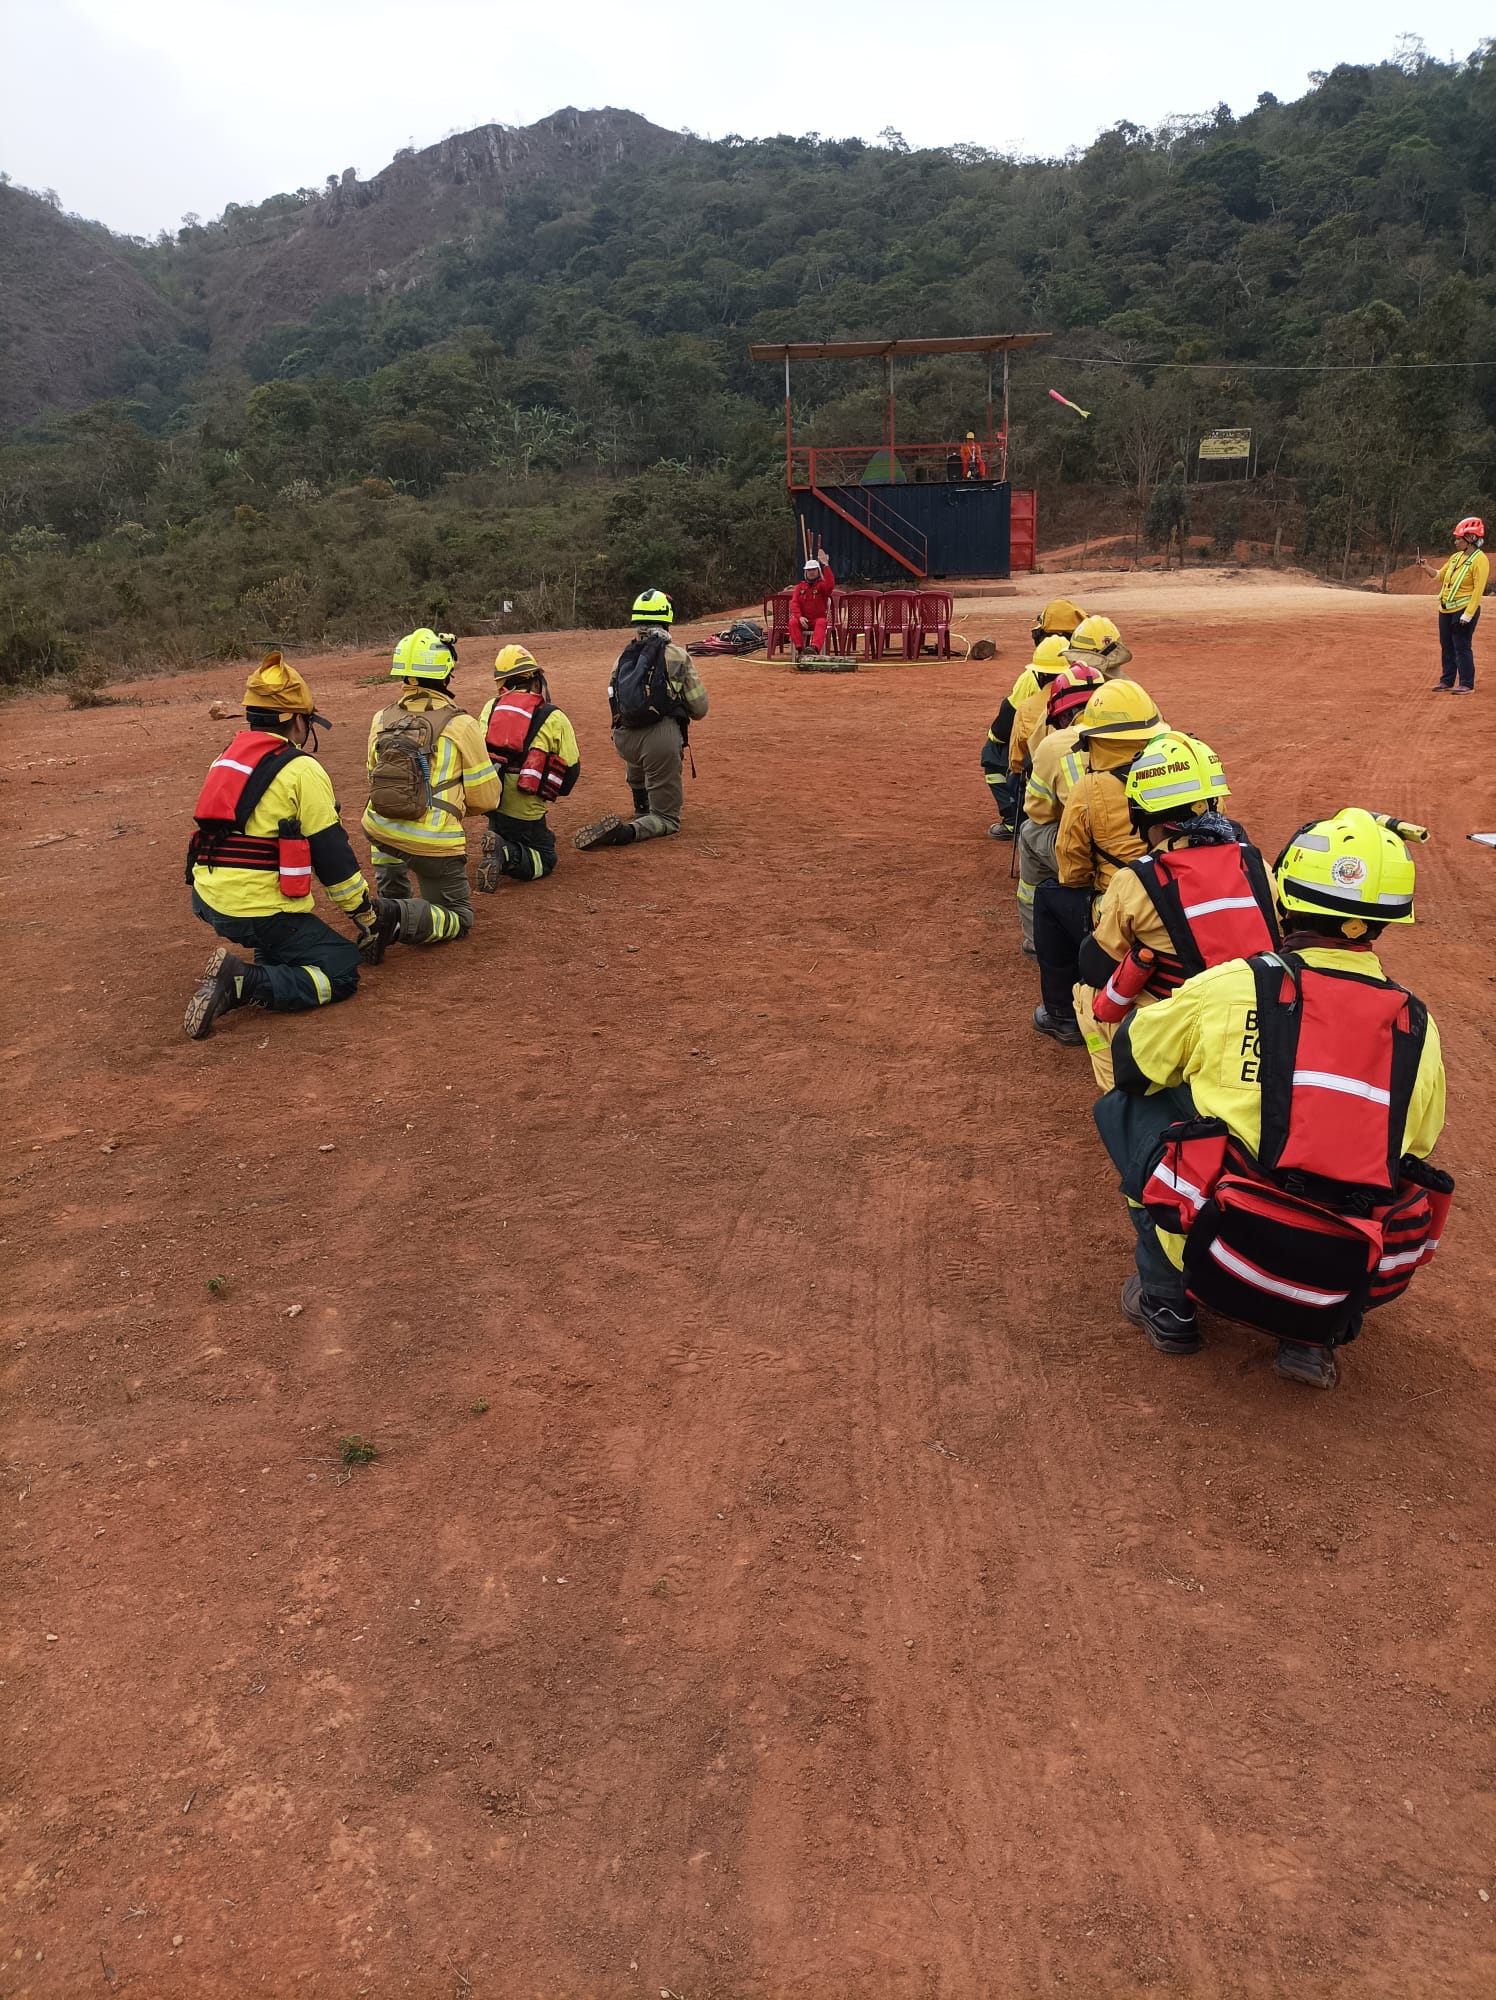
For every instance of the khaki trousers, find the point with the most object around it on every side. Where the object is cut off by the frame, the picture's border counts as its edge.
(654, 757)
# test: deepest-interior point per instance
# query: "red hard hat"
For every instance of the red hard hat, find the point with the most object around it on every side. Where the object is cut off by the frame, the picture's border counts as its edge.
(1071, 690)
(1471, 525)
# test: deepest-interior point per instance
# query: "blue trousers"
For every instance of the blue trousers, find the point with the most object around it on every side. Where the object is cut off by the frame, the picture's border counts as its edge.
(1457, 650)
(1130, 1129)
(306, 962)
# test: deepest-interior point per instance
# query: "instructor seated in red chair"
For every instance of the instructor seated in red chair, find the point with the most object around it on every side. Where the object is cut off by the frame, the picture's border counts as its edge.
(810, 607)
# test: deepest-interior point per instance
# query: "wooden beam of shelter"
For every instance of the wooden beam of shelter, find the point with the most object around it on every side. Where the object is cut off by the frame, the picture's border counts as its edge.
(860, 350)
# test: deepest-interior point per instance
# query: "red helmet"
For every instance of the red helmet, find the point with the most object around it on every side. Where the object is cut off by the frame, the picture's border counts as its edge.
(1070, 691)
(1471, 525)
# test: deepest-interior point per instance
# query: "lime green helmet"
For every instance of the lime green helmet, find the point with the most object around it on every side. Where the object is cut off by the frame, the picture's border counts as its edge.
(424, 656)
(653, 607)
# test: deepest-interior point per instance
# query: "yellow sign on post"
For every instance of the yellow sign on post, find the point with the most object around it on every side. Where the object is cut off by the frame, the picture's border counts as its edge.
(1226, 444)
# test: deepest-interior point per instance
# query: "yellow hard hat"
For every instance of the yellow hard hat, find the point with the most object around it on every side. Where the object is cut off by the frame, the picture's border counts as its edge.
(279, 688)
(653, 607)
(971, 437)
(1349, 866)
(1049, 655)
(1120, 711)
(1094, 636)
(1059, 615)
(1176, 773)
(424, 656)
(512, 662)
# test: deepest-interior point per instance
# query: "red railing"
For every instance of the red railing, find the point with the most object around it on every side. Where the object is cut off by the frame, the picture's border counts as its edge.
(868, 465)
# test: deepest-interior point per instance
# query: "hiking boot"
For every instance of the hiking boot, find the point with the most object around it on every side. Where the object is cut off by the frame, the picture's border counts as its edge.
(1303, 1361)
(1029, 950)
(1171, 1329)
(1000, 829)
(227, 982)
(490, 863)
(641, 802)
(1066, 1033)
(609, 831)
(1462, 690)
(1443, 687)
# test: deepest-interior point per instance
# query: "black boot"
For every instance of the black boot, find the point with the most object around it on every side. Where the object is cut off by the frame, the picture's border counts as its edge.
(490, 863)
(227, 982)
(609, 831)
(1066, 1033)
(641, 801)
(1303, 1361)
(1173, 1329)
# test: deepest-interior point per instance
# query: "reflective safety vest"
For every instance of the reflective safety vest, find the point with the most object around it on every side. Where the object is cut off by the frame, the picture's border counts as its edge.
(236, 782)
(1216, 904)
(513, 725)
(1331, 1219)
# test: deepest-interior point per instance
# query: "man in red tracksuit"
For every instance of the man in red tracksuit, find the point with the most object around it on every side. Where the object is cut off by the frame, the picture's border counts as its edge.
(810, 606)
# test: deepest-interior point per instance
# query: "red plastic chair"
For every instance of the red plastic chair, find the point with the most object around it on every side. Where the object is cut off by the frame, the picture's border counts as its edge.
(855, 614)
(777, 622)
(935, 610)
(898, 618)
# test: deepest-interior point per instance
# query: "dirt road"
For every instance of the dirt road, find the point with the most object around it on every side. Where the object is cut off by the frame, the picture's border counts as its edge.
(784, 1573)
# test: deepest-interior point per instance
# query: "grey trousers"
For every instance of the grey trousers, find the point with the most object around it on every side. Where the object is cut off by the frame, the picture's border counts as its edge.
(654, 757)
(1035, 865)
(443, 908)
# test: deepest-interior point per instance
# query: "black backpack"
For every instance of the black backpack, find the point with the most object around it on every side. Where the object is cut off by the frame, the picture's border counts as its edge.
(639, 692)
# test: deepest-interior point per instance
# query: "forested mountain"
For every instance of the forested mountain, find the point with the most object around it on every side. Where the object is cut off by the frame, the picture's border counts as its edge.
(514, 367)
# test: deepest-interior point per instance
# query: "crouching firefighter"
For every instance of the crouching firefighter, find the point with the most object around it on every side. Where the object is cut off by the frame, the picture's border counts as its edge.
(534, 750)
(1000, 767)
(654, 695)
(428, 768)
(1055, 767)
(1199, 896)
(1272, 1119)
(267, 826)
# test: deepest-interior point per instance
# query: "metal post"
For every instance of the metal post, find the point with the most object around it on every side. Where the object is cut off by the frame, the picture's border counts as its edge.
(1005, 413)
(789, 441)
(888, 378)
(991, 440)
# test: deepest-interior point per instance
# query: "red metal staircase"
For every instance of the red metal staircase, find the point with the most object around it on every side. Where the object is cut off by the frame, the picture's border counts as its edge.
(862, 510)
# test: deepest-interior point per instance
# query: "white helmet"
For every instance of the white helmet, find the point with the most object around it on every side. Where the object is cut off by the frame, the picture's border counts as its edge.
(812, 568)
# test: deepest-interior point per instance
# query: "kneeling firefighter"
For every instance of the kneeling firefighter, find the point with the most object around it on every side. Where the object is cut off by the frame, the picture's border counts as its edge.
(1057, 765)
(654, 695)
(1094, 839)
(534, 750)
(998, 764)
(428, 768)
(1199, 896)
(267, 824)
(1272, 1119)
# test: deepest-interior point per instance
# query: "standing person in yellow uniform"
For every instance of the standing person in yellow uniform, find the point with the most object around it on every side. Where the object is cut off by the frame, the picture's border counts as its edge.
(1462, 584)
(429, 767)
(1272, 1119)
(534, 750)
(267, 825)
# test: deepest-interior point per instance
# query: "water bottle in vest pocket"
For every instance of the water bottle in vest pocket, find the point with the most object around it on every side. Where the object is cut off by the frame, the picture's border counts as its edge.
(400, 785)
(1412, 1225)
(295, 859)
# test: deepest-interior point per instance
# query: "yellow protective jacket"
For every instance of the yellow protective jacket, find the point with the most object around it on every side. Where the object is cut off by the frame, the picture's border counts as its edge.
(301, 791)
(1058, 765)
(558, 739)
(1463, 580)
(1095, 837)
(462, 773)
(1028, 715)
(1205, 1035)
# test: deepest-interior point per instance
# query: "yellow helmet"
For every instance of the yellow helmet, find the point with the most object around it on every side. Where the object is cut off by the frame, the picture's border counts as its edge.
(1049, 655)
(1095, 636)
(1176, 773)
(513, 662)
(280, 689)
(1059, 615)
(424, 656)
(1120, 711)
(971, 437)
(1349, 866)
(653, 607)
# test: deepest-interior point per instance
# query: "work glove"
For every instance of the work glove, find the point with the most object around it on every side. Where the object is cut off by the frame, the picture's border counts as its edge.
(373, 935)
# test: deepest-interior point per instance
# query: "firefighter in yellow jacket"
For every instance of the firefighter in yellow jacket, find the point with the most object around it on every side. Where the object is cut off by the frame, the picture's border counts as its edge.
(1095, 839)
(1308, 1201)
(267, 827)
(1096, 642)
(429, 768)
(1057, 765)
(1027, 695)
(534, 750)
(1462, 585)
(1199, 895)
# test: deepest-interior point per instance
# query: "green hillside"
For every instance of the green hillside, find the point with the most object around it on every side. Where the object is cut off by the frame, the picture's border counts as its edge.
(554, 402)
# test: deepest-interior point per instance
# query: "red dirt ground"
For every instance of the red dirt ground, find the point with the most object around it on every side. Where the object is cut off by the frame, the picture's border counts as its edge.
(836, 1596)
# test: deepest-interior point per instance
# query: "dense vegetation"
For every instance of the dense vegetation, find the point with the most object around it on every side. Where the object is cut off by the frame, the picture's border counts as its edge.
(561, 407)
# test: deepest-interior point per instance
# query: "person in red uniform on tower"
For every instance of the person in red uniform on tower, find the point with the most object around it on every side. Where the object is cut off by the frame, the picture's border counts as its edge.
(810, 606)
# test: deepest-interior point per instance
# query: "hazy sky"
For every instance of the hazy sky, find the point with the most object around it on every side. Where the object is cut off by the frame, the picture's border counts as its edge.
(138, 111)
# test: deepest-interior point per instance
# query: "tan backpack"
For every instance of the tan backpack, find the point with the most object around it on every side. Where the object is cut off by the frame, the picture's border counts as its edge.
(400, 783)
